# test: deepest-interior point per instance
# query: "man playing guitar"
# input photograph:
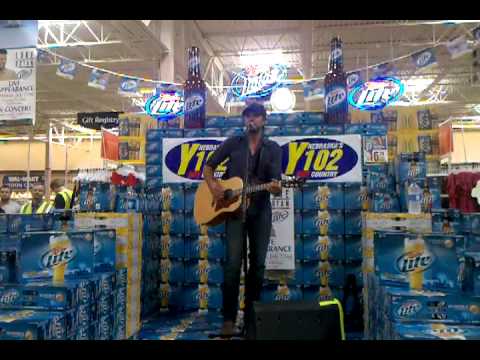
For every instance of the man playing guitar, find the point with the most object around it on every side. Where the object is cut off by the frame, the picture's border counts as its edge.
(256, 160)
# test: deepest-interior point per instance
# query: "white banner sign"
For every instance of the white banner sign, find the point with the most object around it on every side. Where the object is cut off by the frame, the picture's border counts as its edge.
(315, 158)
(17, 86)
(281, 249)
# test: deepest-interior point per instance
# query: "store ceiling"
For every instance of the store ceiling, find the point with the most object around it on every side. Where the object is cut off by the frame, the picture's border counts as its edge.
(129, 47)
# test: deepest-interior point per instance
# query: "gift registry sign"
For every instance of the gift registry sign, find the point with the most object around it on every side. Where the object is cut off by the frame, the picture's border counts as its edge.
(316, 158)
(281, 249)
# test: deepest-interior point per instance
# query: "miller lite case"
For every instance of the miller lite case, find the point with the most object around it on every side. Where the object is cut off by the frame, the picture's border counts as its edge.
(440, 331)
(324, 273)
(422, 261)
(353, 222)
(203, 271)
(172, 246)
(170, 296)
(173, 197)
(39, 296)
(8, 271)
(104, 250)
(323, 247)
(323, 196)
(34, 222)
(18, 325)
(323, 222)
(56, 255)
(272, 293)
(172, 271)
(353, 248)
(105, 328)
(356, 197)
(209, 247)
(202, 297)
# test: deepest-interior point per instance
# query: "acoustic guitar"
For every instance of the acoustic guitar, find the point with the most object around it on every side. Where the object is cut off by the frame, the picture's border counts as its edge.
(209, 212)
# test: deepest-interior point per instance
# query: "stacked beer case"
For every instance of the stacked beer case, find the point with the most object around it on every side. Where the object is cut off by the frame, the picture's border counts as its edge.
(58, 283)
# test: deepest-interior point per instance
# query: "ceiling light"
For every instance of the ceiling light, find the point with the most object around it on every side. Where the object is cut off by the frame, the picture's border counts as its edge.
(263, 58)
(283, 100)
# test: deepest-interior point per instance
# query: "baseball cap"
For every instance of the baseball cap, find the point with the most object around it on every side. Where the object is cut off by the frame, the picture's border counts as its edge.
(254, 109)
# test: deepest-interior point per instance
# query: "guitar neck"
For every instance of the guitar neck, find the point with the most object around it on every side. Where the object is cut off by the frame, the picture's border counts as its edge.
(251, 189)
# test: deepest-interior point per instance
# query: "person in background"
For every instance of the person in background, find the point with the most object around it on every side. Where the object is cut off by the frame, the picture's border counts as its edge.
(5, 74)
(63, 197)
(7, 205)
(38, 205)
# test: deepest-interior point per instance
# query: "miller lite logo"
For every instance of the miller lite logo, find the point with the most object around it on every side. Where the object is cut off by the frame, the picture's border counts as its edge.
(376, 94)
(424, 58)
(58, 256)
(322, 220)
(409, 308)
(335, 97)
(193, 103)
(9, 297)
(336, 53)
(165, 267)
(203, 270)
(128, 85)
(282, 293)
(415, 261)
(352, 80)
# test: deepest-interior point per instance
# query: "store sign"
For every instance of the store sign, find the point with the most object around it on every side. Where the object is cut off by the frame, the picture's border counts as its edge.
(67, 69)
(376, 94)
(424, 59)
(258, 81)
(165, 105)
(353, 79)
(98, 120)
(18, 87)
(128, 87)
(19, 182)
(316, 158)
(281, 248)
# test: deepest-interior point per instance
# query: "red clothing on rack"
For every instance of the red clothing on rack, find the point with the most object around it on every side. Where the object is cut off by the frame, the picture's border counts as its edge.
(459, 187)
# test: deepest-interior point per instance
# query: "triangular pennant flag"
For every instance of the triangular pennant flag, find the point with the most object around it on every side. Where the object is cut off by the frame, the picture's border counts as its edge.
(313, 89)
(476, 34)
(424, 58)
(99, 79)
(67, 69)
(385, 69)
(128, 87)
(458, 47)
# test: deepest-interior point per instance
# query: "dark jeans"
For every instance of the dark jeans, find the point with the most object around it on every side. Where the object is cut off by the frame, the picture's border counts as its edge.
(258, 226)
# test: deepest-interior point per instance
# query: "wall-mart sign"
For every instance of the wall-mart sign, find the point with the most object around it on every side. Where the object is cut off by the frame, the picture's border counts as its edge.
(376, 94)
(316, 158)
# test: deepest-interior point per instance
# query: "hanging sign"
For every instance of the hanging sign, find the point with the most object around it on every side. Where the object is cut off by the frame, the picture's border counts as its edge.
(281, 248)
(316, 158)
(165, 105)
(476, 34)
(67, 69)
(313, 89)
(258, 81)
(98, 120)
(385, 69)
(17, 86)
(354, 79)
(99, 79)
(128, 87)
(424, 58)
(376, 94)
(458, 47)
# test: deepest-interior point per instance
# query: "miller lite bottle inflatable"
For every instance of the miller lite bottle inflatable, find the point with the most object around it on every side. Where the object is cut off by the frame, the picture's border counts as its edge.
(336, 105)
(194, 93)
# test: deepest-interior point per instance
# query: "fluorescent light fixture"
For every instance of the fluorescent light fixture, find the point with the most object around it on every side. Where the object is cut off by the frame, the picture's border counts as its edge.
(47, 23)
(266, 57)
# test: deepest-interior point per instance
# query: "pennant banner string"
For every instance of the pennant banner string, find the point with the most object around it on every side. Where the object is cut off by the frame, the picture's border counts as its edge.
(292, 82)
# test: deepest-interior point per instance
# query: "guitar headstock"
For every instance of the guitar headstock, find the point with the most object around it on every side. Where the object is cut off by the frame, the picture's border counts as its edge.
(293, 182)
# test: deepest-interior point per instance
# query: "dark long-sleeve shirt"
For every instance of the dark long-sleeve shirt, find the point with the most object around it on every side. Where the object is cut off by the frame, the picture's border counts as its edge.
(264, 166)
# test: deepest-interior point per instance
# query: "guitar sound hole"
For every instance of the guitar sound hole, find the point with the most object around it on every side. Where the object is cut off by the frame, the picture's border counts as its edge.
(228, 194)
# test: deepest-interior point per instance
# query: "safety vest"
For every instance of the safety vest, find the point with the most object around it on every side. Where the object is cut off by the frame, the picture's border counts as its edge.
(44, 208)
(67, 197)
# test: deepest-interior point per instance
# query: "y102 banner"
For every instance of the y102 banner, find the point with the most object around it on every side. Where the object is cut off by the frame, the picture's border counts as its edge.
(316, 158)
